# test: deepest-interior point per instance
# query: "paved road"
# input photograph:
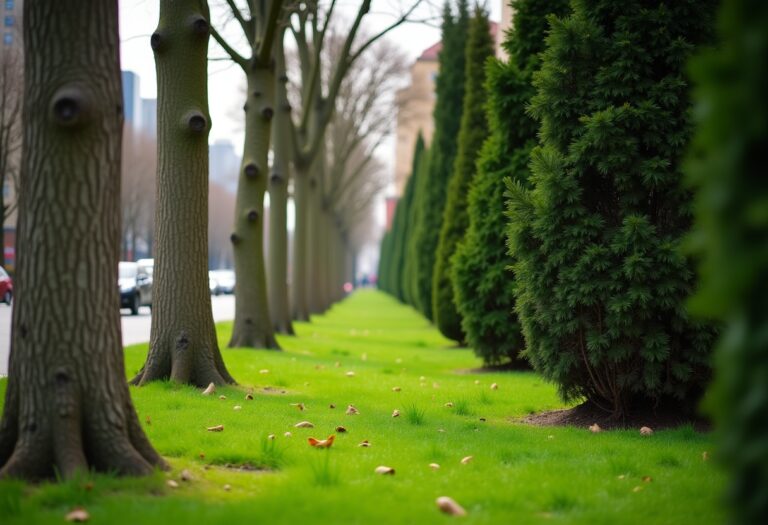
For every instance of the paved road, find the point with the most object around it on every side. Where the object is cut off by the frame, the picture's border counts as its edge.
(135, 327)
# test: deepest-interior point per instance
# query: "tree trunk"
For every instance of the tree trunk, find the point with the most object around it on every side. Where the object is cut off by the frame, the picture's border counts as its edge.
(67, 405)
(253, 324)
(314, 255)
(278, 201)
(183, 345)
(300, 244)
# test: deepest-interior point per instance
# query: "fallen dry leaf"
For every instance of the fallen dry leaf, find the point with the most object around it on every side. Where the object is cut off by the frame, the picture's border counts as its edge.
(434, 466)
(341, 429)
(201, 455)
(222, 397)
(217, 428)
(321, 443)
(385, 470)
(395, 413)
(227, 487)
(466, 460)
(449, 506)
(237, 407)
(646, 431)
(482, 419)
(300, 406)
(172, 483)
(364, 444)
(331, 406)
(449, 405)
(350, 374)
(288, 434)
(78, 515)
(210, 390)
(249, 397)
(435, 385)
(186, 475)
(595, 428)
(149, 421)
(304, 424)
(271, 437)
(396, 389)
(352, 411)
(494, 386)
(647, 479)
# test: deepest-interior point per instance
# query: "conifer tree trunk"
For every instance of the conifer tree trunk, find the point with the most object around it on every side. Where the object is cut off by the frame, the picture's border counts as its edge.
(278, 201)
(67, 405)
(253, 324)
(183, 344)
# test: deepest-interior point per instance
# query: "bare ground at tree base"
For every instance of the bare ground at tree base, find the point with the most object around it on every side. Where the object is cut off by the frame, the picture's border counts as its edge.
(587, 414)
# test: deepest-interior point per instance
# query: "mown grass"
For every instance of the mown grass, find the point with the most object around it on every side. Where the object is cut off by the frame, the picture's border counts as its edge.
(519, 474)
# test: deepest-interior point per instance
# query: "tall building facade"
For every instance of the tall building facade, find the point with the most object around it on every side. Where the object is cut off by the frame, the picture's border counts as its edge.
(415, 105)
(132, 107)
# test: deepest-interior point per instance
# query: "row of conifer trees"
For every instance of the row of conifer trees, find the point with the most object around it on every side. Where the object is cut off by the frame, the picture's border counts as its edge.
(558, 215)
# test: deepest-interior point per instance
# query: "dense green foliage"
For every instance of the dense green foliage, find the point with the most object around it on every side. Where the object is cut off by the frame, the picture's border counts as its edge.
(409, 278)
(448, 109)
(402, 227)
(601, 281)
(483, 284)
(472, 134)
(394, 244)
(730, 155)
(385, 262)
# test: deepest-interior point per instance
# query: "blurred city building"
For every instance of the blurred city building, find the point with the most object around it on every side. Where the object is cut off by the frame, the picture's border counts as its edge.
(11, 59)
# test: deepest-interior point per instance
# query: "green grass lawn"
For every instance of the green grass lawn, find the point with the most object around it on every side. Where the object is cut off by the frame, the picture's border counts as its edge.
(519, 474)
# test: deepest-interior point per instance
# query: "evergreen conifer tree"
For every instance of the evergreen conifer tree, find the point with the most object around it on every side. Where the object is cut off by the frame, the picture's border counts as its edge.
(403, 227)
(600, 279)
(472, 134)
(410, 273)
(447, 115)
(483, 285)
(728, 166)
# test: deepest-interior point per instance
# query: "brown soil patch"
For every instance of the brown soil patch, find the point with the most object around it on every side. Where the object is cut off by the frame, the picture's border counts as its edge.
(587, 414)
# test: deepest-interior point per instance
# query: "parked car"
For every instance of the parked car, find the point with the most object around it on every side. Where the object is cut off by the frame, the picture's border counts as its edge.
(225, 280)
(135, 286)
(213, 284)
(148, 265)
(6, 287)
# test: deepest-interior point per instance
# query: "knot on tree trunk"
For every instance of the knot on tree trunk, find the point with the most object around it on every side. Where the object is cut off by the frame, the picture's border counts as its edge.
(200, 26)
(251, 171)
(69, 107)
(182, 342)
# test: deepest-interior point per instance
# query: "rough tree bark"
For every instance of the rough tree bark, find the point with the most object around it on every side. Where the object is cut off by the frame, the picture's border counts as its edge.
(278, 198)
(67, 406)
(253, 324)
(183, 345)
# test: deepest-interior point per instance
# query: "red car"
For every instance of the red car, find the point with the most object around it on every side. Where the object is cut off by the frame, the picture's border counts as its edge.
(6, 287)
